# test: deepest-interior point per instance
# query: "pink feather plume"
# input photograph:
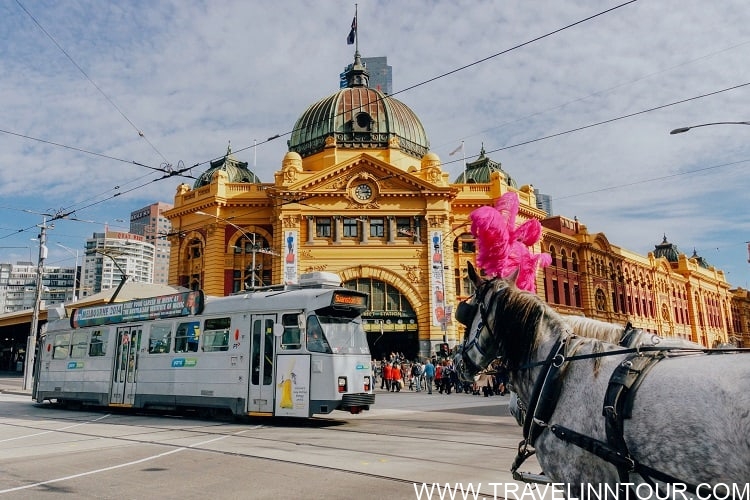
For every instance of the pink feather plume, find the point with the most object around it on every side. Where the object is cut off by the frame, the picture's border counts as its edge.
(502, 248)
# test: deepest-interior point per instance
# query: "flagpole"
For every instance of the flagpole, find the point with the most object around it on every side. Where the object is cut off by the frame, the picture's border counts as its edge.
(356, 31)
(463, 156)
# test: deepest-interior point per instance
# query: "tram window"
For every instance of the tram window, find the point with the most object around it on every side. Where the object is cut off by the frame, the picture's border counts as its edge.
(316, 341)
(187, 336)
(160, 338)
(61, 346)
(216, 334)
(291, 338)
(98, 346)
(80, 344)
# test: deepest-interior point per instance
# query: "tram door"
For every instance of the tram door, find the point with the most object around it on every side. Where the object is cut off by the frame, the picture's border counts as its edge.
(126, 365)
(260, 398)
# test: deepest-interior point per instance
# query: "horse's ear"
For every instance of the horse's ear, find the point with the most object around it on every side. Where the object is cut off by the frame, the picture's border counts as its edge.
(473, 274)
(513, 277)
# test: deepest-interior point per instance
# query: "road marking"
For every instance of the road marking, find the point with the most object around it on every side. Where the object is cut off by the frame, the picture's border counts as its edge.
(53, 431)
(119, 466)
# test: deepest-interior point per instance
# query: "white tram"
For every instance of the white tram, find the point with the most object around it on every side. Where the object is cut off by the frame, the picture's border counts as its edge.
(294, 350)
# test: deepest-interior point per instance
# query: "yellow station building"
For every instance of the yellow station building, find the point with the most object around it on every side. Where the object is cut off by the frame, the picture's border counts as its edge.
(360, 194)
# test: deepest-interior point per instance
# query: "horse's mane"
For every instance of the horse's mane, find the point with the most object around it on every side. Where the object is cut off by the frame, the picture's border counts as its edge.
(595, 329)
(521, 311)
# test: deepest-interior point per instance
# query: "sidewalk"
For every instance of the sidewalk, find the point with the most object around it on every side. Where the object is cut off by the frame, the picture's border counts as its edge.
(12, 383)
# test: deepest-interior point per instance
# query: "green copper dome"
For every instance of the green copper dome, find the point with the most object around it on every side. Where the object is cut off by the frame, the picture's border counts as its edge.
(480, 170)
(236, 171)
(359, 117)
(667, 250)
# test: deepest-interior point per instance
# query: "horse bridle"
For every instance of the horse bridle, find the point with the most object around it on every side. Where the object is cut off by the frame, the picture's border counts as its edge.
(465, 314)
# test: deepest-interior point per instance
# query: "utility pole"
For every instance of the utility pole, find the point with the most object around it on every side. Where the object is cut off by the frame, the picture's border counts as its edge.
(34, 330)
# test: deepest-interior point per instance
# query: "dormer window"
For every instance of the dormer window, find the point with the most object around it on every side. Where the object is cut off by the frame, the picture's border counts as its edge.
(362, 122)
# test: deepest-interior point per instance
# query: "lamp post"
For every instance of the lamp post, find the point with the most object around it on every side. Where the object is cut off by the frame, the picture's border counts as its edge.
(682, 130)
(250, 237)
(76, 280)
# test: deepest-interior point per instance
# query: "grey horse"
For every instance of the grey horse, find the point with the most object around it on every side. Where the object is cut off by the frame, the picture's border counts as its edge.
(689, 419)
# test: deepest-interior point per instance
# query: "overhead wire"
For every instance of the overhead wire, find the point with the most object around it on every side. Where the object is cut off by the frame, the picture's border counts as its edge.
(97, 87)
(170, 172)
(443, 75)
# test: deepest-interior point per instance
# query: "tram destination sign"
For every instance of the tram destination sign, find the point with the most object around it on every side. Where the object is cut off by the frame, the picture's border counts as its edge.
(163, 306)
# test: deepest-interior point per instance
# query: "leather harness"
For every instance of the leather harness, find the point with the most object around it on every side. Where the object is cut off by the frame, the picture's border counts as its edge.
(617, 406)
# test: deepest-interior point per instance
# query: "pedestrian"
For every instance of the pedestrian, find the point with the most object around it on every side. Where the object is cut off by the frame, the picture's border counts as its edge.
(388, 375)
(396, 378)
(446, 378)
(416, 373)
(429, 374)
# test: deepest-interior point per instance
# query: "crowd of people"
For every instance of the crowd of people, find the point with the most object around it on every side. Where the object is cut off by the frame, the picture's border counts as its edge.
(395, 373)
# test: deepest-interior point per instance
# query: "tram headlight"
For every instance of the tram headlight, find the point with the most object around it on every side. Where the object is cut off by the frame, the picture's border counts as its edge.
(342, 384)
(367, 383)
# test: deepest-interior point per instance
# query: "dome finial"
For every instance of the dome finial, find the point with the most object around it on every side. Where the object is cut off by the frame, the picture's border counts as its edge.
(229, 148)
(356, 73)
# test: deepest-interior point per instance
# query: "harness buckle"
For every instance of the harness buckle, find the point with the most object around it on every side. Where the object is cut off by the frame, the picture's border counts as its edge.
(540, 423)
(558, 360)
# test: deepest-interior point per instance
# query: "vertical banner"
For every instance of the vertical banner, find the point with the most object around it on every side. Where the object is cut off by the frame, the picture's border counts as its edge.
(290, 257)
(437, 279)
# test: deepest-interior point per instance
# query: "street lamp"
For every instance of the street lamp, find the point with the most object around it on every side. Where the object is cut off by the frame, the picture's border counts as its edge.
(250, 237)
(76, 280)
(685, 129)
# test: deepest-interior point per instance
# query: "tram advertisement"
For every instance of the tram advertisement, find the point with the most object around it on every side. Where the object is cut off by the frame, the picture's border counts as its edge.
(292, 386)
(164, 306)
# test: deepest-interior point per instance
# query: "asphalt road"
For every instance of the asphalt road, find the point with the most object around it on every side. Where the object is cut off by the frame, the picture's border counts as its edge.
(402, 448)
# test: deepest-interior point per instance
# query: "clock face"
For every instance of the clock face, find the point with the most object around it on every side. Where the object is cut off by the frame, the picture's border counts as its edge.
(363, 192)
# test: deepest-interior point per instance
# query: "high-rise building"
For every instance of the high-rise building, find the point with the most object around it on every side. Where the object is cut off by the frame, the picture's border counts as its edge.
(381, 75)
(18, 285)
(113, 255)
(154, 227)
(544, 202)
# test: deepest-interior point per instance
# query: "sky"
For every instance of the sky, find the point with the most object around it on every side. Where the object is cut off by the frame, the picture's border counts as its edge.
(99, 99)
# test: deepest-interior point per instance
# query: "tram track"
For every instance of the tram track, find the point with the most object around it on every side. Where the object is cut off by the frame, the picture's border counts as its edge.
(380, 441)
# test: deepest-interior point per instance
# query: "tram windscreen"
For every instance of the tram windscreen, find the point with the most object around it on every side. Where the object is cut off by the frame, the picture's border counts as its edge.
(344, 335)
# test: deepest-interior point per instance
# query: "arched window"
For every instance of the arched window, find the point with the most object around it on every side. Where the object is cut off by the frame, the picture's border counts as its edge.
(601, 300)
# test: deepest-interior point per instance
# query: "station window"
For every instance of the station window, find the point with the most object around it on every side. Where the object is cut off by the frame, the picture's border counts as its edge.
(187, 336)
(323, 227)
(80, 344)
(291, 338)
(377, 227)
(61, 346)
(403, 227)
(351, 228)
(160, 338)
(216, 334)
(98, 345)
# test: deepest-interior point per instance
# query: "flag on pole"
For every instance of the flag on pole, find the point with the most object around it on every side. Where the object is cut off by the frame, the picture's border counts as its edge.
(459, 148)
(352, 33)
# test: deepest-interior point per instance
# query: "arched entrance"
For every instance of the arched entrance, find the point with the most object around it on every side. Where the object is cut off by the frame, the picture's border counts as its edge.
(390, 323)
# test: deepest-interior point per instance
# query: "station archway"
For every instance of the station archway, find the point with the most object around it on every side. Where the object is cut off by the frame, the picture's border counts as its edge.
(391, 322)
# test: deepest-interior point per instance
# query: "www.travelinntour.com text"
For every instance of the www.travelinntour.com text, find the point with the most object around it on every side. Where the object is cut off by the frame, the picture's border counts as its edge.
(583, 491)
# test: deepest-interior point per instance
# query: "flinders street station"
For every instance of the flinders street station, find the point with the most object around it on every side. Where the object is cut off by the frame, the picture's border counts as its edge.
(360, 194)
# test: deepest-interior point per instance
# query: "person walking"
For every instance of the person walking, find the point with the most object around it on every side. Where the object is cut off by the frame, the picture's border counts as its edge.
(429, 374)
(396, 378)
(388, 375)
(416, 373)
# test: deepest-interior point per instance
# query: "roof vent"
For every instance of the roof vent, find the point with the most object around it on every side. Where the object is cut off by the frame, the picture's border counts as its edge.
(320, 279)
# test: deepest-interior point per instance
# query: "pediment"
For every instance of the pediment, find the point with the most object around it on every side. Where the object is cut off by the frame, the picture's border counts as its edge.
(338, 179)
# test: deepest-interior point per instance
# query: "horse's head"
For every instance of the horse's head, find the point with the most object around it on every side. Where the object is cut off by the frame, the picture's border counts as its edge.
(477, 349)
(500, 321)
